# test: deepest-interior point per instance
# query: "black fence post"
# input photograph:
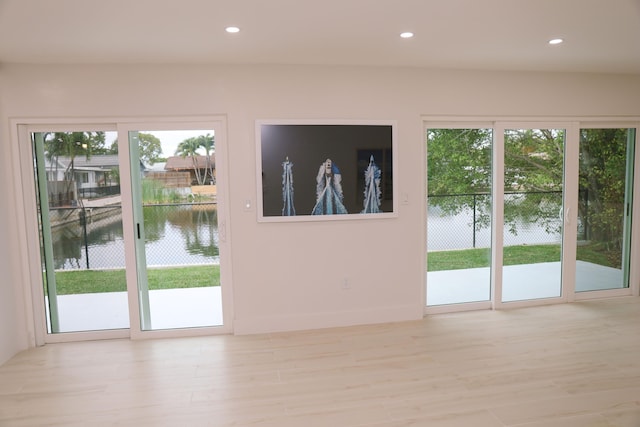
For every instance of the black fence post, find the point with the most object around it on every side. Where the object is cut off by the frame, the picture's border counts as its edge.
(587, 236)
(474, 221)
(83, 222)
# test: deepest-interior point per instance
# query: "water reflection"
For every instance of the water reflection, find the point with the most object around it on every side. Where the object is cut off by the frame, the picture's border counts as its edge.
(175, 235)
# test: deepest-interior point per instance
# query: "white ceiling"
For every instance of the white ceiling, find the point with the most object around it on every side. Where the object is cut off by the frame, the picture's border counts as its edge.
(601, 35)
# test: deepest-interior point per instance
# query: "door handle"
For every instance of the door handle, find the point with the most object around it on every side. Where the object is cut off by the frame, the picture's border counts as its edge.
(565, 217)
(138, 227)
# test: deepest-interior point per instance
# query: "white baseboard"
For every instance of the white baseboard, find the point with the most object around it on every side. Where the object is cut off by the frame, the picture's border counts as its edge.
(299, 322)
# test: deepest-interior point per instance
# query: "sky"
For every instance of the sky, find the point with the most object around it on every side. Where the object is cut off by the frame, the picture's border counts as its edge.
(171, 138)
(168, 139)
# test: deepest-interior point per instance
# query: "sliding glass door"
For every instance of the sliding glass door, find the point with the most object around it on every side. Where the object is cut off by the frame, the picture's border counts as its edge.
(79, 214)
(176, 231)
(519, 212)
(459, 205)
(533, 213)
(605, 208)
(128, 232)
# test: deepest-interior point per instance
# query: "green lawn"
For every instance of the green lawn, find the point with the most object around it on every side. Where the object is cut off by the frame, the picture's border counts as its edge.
(93, 281)
(513, 255)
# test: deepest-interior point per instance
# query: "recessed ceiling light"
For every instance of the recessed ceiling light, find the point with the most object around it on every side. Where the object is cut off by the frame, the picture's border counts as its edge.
(232, 30)
(406, 35)
(555, 41)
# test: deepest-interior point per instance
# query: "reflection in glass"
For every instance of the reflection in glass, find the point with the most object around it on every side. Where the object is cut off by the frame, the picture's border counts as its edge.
(80, 225)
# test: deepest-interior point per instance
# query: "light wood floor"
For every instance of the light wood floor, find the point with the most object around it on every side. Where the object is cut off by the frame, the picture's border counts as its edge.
(569, 365)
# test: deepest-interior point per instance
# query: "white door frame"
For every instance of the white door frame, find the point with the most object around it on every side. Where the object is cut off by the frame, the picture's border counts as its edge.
(218, 125)
(20, 130)
(572, 126)
(570, 204)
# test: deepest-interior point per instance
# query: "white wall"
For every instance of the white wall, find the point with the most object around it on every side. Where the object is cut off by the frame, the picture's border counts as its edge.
(287, 276)
(13, 333)
(10, 318)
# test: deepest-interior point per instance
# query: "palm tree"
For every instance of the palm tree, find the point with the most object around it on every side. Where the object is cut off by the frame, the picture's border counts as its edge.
(189, 148)
(208, 143)
(71, 144)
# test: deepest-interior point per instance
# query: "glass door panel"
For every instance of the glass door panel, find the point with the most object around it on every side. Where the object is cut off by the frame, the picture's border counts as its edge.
(533, 213)
(604, 209)
(175, 218)
(459, 215)
(80, 227)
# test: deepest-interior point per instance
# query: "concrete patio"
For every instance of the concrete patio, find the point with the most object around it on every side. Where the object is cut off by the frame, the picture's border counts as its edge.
(520, 282)
(169, 308)
(198, 307)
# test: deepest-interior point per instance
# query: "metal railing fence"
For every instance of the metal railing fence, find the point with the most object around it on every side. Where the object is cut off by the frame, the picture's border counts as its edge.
(463, 221)
(96, 192)
(175, 234)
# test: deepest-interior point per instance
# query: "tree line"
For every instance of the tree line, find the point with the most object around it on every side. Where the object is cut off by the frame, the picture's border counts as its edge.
(460, 163)
(74, 144)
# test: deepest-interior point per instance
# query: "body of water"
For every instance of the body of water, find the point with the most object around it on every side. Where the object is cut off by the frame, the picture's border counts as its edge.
(449, 232)
(174, 235)
(188, 235)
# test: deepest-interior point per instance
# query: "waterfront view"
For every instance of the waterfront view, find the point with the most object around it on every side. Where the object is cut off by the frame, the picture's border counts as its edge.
(189, 230)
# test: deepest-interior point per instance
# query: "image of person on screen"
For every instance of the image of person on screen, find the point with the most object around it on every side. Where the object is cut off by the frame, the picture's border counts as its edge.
(372, 192)
(329, 190)
(288, 209)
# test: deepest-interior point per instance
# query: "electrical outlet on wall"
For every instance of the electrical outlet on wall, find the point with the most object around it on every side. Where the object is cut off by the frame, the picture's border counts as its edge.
(345, 284)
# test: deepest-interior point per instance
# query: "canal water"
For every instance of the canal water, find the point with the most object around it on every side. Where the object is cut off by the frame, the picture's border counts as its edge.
(174, 235)
(188, 235)
(455, 232)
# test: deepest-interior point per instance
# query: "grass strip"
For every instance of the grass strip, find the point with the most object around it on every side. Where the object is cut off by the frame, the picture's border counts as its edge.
(512, 255)
(95, 281)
